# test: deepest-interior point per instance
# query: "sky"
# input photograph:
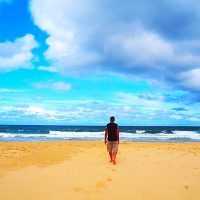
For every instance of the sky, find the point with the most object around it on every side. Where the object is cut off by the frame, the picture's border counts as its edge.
(79, 62)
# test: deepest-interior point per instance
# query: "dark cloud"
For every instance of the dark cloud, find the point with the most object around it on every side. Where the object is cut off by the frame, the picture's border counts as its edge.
(175, 19)
(179, 109)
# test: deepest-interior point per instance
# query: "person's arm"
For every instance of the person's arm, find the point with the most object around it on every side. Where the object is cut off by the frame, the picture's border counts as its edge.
(106, 135)
(118, 135)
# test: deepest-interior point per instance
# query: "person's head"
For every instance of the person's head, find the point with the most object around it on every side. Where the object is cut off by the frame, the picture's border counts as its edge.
(112, 119)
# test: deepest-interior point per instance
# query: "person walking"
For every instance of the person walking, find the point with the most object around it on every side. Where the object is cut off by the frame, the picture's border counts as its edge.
(112, 139)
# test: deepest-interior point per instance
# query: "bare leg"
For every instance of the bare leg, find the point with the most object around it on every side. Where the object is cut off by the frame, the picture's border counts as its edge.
(110, 154)
(114, 154)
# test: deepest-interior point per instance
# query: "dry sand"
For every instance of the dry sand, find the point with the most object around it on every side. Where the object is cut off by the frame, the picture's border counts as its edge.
(81, 170)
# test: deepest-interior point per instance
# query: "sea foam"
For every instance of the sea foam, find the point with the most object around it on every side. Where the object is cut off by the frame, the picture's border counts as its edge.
(139, 135)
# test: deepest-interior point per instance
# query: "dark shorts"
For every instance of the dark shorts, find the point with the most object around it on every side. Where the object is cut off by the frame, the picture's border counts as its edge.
(112, 146)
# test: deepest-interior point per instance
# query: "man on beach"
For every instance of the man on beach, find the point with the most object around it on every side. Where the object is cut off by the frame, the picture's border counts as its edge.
(112, 135)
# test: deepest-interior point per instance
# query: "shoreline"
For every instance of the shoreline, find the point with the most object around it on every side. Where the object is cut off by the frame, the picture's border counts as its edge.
(81, 170)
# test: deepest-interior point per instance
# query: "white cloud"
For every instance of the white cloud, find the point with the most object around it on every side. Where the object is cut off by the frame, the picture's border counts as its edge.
(49, 69)
(61, 86)
(139, 46)
(9, 90)
(55, 86)
(194, 119)
(176, 117)
(39, 111)
(74, 27)
(130, 99)
(17, 54)
(65, 41)
(87, 112)
(84, 36)
(191, 79)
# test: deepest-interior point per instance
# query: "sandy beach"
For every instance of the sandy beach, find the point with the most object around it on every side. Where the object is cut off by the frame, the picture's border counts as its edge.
(81, 170)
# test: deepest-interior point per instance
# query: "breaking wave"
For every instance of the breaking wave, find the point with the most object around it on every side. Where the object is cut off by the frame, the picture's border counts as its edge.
(138, 135)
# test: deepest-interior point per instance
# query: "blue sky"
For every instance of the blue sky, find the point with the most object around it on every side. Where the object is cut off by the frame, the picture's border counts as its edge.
(79, 62)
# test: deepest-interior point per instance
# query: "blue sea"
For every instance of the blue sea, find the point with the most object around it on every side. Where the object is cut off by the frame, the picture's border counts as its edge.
(127, 133)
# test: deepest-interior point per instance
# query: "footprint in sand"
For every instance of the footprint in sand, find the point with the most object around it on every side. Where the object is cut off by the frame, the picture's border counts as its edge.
(109, 179)
(100, 185)
(186, 186)
(103, 184)
(78, 189)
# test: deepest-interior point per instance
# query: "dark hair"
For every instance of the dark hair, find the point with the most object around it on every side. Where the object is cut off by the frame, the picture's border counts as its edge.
(112, 118)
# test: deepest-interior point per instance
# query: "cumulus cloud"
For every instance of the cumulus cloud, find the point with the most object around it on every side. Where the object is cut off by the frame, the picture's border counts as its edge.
(62, 86)
(17, 54)
(137, 38)
(66, 43)
(136, 47)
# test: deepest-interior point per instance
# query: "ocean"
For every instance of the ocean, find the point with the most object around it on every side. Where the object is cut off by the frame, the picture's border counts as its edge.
(21, 133)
